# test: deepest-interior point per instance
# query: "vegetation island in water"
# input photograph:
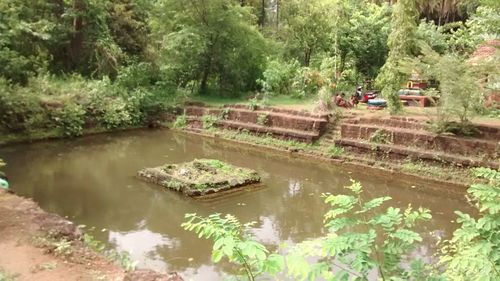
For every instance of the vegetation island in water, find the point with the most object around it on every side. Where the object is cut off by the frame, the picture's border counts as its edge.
(200, 176)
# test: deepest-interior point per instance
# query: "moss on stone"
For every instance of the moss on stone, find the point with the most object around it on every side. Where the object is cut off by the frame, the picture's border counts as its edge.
(200, 177)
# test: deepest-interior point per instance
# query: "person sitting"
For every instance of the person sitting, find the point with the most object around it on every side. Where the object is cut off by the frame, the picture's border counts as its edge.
(353, 101)
(358, 94)
(340, 101)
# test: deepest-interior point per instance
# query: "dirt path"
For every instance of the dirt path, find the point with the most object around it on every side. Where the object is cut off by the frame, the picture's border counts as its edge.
(35, 245)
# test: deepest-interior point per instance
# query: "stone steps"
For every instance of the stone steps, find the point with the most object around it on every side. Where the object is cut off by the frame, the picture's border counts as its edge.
(403, 152)
(276, 131)
(406, 123)
(272, 119)
(280, 123)
(423, 140)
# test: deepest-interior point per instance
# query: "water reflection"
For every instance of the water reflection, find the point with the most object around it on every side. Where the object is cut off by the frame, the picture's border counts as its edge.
(143, 246)
(92, 181)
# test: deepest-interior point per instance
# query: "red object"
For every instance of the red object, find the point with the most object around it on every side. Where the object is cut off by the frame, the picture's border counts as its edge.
(422, 101)
(368, 96)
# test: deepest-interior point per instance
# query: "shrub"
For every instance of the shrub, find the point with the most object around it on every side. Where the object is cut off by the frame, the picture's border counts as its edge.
(262, 119)
(225, 113)
(234, 241)
(254, 103)
(70, 119)
(324, 99)
(461, 93)
(455, 128)
(361, 239)
(137, 75)
(278, 77)
(307, 82)
(181, 122)
(20, 108)
(472, 253)
(208, 121)
(335, 151)
(380, 136)
(114, 113)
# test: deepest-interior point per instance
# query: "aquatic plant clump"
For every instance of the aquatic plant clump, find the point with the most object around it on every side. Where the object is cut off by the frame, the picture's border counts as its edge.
(200, 176)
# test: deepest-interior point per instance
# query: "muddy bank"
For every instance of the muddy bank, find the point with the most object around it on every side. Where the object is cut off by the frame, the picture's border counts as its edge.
(36, 245)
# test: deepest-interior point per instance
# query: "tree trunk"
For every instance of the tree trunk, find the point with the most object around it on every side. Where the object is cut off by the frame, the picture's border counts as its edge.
(76, 44)
(262, 18)
(277, 14)
(206, 75)
(307, 56)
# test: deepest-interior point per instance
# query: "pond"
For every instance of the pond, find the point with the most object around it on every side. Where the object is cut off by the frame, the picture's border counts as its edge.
(92, 181)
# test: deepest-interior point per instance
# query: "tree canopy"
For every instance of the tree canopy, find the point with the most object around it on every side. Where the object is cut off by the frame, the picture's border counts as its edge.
(154, 51)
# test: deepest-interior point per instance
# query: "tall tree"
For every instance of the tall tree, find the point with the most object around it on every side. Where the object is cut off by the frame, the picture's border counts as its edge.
(401, 45)
(212, 43)
(307, 28)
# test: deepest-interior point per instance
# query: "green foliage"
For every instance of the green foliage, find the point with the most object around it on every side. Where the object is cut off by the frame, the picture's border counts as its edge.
(432, 35)
(128, 25)
(254, 103)
(267, 140)
(307, 25)
(278, 77)
(211, 44)
(359, 240)
(324, 99)
(63, 247)
(234, 241)
(4, 276)
(482, 25)
(461, 94)
(335, 151)
(209, 121)
(380, 136)
(47, 102)
(443, 126)
(121, 258)
(181, 122)
(114, 114)
(20, 110)
(401, 44)
(307, 82)
(362, 37)
(225, 113)
(87, 36)
(473, 252)
(70, 119)
(263, 119)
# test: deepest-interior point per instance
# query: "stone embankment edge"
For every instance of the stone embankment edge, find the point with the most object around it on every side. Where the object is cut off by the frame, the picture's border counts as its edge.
(349, 162)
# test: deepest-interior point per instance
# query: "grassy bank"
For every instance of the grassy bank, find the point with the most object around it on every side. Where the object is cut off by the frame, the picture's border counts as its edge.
(325, 151)
(279, 100)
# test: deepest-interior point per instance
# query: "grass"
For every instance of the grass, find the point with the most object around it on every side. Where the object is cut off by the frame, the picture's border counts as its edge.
(218, 101)
(4, 276)
(420, 168)
(436, 172)
(200, 175)
(335, 151)
(285, 101)
(265, 140)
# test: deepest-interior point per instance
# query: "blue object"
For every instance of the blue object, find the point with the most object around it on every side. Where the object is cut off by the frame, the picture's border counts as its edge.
(4, 184)
(377, 102)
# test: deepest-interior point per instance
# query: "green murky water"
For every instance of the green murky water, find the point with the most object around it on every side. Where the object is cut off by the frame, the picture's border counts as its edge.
(92, 181)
